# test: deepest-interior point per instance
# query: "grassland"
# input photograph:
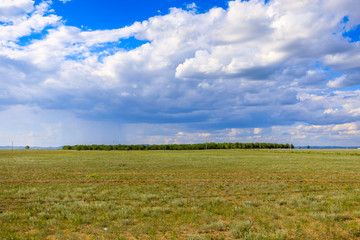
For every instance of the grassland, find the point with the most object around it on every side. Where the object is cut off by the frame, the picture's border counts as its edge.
(214, 194)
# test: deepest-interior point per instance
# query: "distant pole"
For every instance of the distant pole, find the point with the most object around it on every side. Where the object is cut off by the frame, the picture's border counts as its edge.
(12, 146)
(113, 145)
(206, 144)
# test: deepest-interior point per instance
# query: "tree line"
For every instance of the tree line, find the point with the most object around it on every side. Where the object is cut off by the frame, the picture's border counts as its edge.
(198, 146)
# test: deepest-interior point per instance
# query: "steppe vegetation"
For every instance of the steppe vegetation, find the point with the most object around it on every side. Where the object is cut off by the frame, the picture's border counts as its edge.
(213, 194)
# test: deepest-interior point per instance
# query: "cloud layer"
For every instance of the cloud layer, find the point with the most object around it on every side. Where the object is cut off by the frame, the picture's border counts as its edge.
(284, 64)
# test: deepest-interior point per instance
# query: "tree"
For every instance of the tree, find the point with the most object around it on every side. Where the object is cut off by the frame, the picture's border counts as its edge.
(27, 147)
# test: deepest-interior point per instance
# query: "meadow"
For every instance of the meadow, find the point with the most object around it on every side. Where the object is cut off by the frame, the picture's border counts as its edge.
(205, 194)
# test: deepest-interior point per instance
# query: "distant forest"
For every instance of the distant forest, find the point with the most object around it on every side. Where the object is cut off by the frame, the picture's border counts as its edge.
(198, 146)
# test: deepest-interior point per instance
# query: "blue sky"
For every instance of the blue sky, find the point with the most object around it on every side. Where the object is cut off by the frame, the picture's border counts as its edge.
(173, 71)
(110, 14)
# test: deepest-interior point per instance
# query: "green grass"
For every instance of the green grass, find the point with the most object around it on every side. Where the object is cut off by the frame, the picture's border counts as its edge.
(214, 194)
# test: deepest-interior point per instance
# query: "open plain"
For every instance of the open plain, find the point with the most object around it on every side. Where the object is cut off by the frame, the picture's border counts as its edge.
(209, 194)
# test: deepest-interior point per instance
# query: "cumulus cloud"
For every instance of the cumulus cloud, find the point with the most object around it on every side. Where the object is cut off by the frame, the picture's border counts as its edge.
(249, 66)
(191, 6)
(11, 10)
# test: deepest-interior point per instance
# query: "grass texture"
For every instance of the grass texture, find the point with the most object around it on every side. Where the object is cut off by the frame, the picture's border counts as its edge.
(213, 194)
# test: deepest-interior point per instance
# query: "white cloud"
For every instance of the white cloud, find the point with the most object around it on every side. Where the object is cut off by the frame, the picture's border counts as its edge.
(257, 131)
(11, 10)
(337, 82)
(331, 111)
(33, 22)
(191, 6)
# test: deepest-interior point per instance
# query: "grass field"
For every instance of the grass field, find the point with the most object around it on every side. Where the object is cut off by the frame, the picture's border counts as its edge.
(217, 194)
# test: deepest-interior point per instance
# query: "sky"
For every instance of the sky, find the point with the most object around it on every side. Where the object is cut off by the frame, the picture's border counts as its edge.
(175, 71)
